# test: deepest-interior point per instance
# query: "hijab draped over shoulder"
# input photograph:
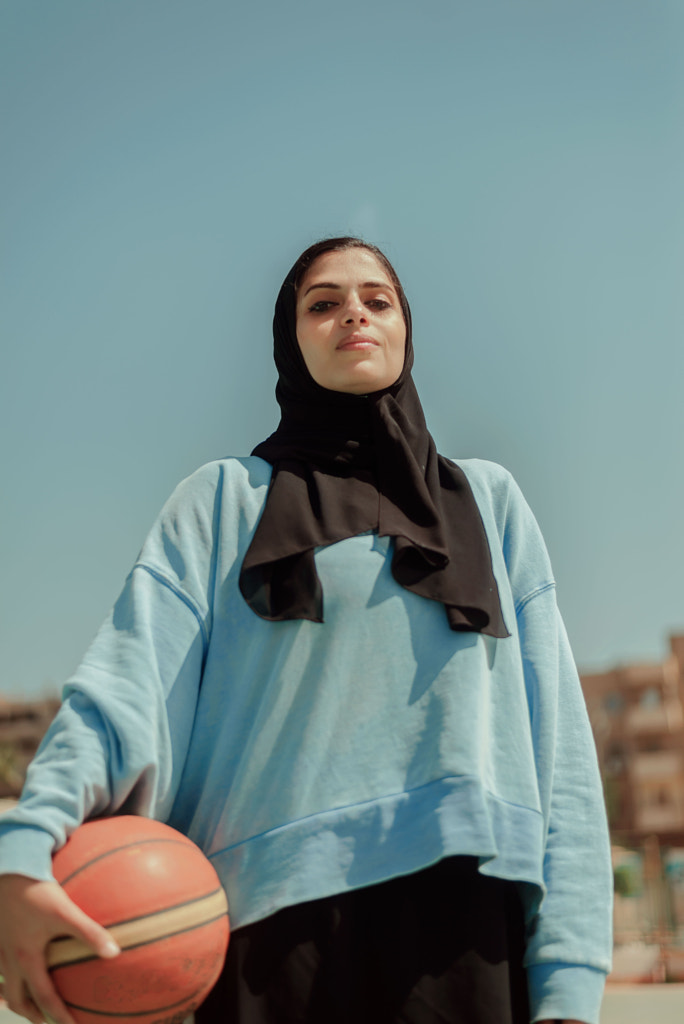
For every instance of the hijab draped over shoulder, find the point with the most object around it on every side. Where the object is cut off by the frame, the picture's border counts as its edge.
(344, 464)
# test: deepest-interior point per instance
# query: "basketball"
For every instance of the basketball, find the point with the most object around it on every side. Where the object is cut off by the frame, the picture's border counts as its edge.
(162, 902)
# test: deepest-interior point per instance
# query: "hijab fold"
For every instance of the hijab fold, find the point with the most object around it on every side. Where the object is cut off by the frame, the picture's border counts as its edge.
(346, 464)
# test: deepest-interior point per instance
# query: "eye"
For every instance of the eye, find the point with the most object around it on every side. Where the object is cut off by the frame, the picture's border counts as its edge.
(322, 306)
(379, 304)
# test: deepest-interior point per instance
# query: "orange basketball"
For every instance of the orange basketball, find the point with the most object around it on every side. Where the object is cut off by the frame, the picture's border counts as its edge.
(161, 899)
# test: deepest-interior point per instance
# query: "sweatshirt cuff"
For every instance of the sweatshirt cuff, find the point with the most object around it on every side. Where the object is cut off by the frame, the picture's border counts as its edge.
(560, 991)
(25, 850)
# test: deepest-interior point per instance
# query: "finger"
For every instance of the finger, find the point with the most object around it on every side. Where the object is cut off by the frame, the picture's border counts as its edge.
(30, 991)
(48, 1003)
(93, 934)
(19, 1001)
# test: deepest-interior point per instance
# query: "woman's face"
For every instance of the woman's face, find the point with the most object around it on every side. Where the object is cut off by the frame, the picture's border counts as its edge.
(350, 327)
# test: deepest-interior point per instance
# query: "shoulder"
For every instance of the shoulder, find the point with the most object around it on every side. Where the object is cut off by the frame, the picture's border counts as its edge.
(492, 485)
(508, 518)
(246, 470)
(248, 476)
(213, 507)
(221, 495)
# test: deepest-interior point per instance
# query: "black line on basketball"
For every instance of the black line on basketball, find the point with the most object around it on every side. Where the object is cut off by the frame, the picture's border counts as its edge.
(136, 1013)
(108, 853)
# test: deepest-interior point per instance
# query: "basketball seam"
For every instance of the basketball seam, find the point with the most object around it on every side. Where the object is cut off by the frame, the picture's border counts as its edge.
(147, 942)
(137, 1013)
(118, 849)
(162, 910)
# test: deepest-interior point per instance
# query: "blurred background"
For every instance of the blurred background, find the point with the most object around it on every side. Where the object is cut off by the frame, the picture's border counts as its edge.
(165, 161)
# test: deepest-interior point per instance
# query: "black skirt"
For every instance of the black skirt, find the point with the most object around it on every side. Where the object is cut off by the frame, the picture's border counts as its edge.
(442, 945)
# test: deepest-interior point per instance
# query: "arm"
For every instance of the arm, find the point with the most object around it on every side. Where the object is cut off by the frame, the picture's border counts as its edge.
(569, 941)
(117, 745)
(569, 934)
(119, 740)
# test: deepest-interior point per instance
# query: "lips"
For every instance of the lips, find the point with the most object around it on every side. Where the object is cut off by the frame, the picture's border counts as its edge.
(357, 341)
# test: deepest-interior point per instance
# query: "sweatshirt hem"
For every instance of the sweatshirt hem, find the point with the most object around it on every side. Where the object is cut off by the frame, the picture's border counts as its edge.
(363, 844)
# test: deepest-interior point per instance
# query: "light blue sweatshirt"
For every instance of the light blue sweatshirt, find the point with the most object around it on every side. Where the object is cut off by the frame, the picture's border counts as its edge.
(307, 759)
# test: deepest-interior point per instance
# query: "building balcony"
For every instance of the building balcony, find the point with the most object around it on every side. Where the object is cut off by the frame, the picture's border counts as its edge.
(666, 717)
(654, 818)
(661, 765)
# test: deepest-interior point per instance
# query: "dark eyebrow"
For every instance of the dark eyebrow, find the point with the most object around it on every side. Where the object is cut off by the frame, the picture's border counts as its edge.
(366, 284)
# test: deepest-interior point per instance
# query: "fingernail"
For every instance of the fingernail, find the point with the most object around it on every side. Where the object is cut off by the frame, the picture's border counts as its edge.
(110, 948)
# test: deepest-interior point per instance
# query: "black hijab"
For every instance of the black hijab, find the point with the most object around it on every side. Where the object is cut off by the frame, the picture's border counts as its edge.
(344, 464)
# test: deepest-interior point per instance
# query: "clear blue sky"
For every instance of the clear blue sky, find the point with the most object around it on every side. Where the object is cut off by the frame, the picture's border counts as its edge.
(164, 161)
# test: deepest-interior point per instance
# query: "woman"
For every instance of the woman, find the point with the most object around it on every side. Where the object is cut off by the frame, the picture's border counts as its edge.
(357, 697)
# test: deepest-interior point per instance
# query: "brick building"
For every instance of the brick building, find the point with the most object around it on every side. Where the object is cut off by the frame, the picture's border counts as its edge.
(22, 726)
(637, 715)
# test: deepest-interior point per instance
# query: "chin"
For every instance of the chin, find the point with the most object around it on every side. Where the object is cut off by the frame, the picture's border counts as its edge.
(364, 381)
(358, 387)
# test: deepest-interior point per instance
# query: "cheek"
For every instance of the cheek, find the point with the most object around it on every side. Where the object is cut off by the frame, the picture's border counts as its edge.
(399, 346)
(301, 333)
(308, 346)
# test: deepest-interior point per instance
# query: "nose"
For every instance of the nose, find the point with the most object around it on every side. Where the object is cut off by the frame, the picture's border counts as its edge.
(353, 310)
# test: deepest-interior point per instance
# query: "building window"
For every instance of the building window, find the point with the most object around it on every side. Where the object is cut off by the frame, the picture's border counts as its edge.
(614, 703)
(615, 759)
(650, 698)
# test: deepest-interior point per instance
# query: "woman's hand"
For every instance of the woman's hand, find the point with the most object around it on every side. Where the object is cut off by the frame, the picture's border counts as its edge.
(33, 913)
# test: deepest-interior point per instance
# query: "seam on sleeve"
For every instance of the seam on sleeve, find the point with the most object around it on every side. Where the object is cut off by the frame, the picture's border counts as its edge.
(185, 598)
(532, 594)
(582, 964)
(216, 527)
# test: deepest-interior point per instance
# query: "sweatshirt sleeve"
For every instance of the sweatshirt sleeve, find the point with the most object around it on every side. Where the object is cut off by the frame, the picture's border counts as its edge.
(119, 741)
(569, 937)
(569, 932)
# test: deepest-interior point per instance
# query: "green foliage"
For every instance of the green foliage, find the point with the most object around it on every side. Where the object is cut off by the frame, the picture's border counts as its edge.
(627, 880)
(10, 774)
(613, 797)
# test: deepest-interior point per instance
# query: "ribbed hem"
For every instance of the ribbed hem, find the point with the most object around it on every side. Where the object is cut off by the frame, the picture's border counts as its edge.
(561, 991)
(26, 851)
(364, 844)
